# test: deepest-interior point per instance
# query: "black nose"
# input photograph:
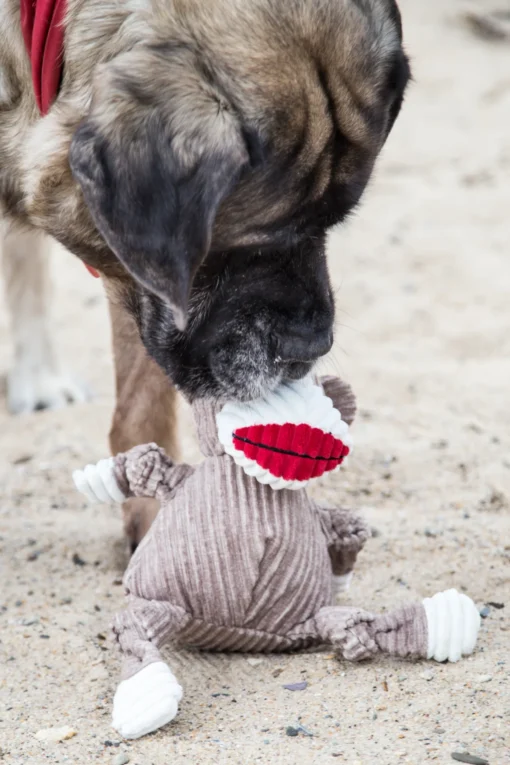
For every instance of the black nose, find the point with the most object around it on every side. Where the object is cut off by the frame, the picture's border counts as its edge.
(305, 345)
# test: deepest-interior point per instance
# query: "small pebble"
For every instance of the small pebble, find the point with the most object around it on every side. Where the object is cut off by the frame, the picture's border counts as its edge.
(495, 604)
(23, 459)
(29, 621)
(254, 662)
(484, 678)
(55, 734)
(472, 759)
(290, 731)
(484, 612)
(296, 686)
(304, 731)
(427, 675)
(439, 730)
(78, 560)
(120, 759)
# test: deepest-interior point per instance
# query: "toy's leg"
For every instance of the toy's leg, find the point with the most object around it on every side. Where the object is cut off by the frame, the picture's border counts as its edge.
(443, 627)
(346, 534)
(149, 694)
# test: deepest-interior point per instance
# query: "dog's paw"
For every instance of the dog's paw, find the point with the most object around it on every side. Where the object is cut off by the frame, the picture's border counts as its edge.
(453, 622)
(342, 583)
(31, 388)
(146, 701)
(98, 482)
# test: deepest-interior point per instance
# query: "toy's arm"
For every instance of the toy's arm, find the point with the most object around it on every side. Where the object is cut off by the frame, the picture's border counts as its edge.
(341, 395)
(144, 471)
(346, 534)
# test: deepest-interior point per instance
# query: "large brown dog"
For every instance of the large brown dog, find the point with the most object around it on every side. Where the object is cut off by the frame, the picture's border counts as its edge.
(196, 155)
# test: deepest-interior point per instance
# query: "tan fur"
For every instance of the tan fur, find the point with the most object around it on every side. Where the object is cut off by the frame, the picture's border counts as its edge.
(267, 48)
(266, 55)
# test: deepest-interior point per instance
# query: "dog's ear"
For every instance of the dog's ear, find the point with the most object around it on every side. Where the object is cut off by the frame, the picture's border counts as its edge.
(156, 156)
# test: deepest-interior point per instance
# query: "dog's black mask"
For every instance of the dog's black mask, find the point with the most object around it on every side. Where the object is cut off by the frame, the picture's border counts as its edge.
(254, 319)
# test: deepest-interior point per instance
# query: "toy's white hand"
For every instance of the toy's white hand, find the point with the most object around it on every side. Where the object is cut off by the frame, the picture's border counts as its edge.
(98, 482)
(146, 701)
(453, 622)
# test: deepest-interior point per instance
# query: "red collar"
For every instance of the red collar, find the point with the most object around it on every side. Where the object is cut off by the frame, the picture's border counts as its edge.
(92, 271)
(42, 24)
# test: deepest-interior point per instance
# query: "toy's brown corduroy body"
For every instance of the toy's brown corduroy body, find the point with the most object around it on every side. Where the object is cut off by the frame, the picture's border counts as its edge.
(231, 564)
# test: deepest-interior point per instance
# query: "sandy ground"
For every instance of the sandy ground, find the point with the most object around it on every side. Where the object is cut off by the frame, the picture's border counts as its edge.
(423, 276)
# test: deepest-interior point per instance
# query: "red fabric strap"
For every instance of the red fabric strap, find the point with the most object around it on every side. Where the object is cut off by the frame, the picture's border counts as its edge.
(92, 271)
(42, 24)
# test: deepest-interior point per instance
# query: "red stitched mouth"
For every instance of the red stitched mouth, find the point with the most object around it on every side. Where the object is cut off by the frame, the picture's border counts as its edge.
(292, 452)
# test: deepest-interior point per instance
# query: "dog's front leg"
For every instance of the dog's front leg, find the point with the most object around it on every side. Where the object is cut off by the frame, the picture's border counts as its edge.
(36, 380)
(145, 409)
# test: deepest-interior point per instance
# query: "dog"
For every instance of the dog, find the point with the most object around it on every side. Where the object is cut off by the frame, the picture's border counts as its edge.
(195, 155)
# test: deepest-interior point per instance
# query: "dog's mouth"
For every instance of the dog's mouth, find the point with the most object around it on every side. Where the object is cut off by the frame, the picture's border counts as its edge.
(296, 370)
(253, 324)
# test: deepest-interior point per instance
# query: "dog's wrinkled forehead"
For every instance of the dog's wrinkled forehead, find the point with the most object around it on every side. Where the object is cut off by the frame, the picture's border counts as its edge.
(232, 124)
(318, 94)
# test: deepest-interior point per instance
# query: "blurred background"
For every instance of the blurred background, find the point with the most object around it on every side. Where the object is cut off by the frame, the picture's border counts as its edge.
(422, 274)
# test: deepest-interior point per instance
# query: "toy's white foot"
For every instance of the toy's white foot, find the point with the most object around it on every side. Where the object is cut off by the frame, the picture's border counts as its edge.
(146, 701)
(342, 583)
(32, 386)
(453, 622)
(98, 482)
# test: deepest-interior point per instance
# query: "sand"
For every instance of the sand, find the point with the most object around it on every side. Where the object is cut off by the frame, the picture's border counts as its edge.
(423, 276)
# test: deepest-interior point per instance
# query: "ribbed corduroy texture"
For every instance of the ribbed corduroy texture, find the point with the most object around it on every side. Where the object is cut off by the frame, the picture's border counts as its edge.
(230, 564)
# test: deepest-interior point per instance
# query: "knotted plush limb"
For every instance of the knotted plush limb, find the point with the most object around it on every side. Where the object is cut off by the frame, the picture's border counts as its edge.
(342, 396)
(149, 694)
(346, 534)
(147, 471)
(143, 471)
(443, 627)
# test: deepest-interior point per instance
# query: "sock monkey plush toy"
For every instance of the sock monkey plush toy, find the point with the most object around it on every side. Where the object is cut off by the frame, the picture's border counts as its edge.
(240, 558)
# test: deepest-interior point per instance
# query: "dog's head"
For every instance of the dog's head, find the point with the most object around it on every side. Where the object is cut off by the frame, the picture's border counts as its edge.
(217, 153)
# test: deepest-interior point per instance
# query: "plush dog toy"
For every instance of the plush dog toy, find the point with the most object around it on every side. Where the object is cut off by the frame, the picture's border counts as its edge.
(239, 557)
